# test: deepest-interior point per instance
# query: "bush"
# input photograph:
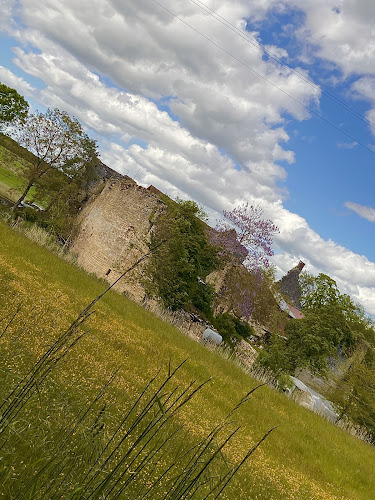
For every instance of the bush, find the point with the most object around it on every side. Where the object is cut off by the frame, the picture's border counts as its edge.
(232, 329)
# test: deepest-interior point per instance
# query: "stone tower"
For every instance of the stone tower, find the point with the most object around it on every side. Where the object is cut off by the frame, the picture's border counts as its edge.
(289, 284)
(114, 230)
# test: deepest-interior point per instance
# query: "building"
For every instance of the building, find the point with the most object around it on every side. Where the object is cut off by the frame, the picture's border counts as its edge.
(114, 231)
(289, 285)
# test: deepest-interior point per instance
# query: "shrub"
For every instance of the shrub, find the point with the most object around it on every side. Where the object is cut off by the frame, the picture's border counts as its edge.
(232, 329)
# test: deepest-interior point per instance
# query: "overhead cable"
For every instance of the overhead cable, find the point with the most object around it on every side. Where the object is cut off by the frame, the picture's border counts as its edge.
(315, 113)
(262, 48)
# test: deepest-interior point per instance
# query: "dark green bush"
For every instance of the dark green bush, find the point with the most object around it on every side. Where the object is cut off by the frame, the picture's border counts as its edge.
(231, 328)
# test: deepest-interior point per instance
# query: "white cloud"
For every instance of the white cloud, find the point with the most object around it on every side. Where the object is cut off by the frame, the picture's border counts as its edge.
(226, 129)
(10, 79)
(347, 145)
(363, 211)
(342, 31)
(7, 10)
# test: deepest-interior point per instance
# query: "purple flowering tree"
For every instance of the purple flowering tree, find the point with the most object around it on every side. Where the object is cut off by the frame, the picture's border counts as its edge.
(245, 227)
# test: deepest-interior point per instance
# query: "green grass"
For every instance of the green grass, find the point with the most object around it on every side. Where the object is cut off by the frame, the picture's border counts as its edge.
(305, 458)
(12, 182)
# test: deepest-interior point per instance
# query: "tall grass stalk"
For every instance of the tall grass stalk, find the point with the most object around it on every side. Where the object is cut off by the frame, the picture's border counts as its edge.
(133, 454)
(137, 452)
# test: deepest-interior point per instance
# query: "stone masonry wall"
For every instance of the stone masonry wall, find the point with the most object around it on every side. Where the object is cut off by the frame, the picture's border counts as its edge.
(114, 231)
(289, 285)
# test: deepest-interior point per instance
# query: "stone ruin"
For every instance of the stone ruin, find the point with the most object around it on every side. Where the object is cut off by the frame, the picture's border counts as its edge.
(289, 285)
(114, 230)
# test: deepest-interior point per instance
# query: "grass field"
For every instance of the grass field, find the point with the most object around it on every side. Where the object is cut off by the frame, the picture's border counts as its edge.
(306, 457)
(12, 181)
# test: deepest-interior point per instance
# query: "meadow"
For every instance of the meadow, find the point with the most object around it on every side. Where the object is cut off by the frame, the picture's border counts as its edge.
(12, 181)
(305, 457)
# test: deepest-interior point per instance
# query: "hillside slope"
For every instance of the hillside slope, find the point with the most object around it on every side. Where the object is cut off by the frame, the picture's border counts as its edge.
(305, 458)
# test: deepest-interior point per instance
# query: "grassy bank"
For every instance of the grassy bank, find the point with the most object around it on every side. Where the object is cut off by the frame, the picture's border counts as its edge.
(306, 457)
(12, 181)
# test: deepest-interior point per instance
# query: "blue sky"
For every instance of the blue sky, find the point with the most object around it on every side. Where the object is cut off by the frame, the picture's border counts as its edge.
(173, 110)
(330, 169)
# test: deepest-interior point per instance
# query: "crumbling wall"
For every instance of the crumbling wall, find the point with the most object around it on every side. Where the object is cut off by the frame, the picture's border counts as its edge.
(114, 229)
(289, 285)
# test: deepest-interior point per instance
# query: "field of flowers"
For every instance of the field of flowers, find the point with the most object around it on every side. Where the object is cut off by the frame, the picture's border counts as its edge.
(58, 415)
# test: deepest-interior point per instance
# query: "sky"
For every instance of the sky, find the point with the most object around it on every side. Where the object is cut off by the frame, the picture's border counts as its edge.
(270, 102)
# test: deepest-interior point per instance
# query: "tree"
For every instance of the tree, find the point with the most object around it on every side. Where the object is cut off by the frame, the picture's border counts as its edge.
(232, 329)
(178, 267)
(307, 344)
(57, 141)
(321, 295)
(318, 292)
(13, 106)
(252, 231)
(354, 396)
(72, 182)
(248, 293)
(332, 321)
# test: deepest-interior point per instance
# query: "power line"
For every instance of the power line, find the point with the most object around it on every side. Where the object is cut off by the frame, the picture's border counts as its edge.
(263, 49)
(266, 79)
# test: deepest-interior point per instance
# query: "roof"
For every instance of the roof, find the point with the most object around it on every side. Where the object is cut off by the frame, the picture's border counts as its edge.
(291, 310)
(295, 313)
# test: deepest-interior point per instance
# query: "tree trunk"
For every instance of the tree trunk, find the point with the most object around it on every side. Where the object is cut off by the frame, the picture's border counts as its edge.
(24, 194)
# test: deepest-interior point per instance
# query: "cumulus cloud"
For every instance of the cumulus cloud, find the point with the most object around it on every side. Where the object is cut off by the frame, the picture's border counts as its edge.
(10, 79)
(341, 31)
(363, 211)
(176, 112)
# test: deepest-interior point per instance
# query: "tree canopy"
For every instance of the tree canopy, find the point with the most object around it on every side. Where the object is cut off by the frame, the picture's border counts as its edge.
(57, 141)
(252, 231)
(13, 106)
(177, 269)
(332, 321)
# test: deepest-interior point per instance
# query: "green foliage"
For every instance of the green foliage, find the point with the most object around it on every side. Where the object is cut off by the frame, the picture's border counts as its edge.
(202, 297)
(318, 292)
(13, 106)
(56, 141)
(64, 191)
(320, 295)
(183, 254)
(308, 342)
(285, 382)
(332, 321)
(60, 188)
(20, 152)
(354, 396)
(231, 328)
(248, 294)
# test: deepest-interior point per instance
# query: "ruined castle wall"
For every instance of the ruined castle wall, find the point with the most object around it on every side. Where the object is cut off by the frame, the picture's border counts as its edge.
(289, 286)
(114, 229)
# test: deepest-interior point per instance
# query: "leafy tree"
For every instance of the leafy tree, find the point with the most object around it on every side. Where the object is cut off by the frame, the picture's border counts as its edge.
(320, 295)
(57, 141)
(307, 344)
(332, 320)
(354, 396)
(250, 294)
(318, 292)
(178, 266)
(252, 231)
(13, 106)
